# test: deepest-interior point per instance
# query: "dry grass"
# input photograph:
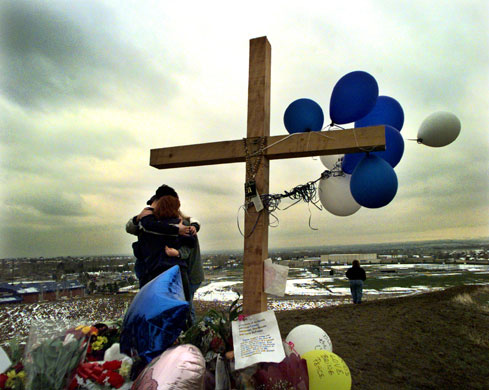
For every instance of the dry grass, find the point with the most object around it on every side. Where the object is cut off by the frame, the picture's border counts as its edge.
(464, 299)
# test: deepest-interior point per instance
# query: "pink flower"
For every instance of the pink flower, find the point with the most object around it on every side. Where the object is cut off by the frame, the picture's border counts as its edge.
(217, 344)
(289, 373)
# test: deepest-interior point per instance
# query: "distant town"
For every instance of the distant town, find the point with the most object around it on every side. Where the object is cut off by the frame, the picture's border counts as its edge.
(27, 280)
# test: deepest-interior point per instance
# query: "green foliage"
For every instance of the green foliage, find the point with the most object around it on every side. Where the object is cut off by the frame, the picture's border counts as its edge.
(51, 364)
(15, 351)
(212, 332)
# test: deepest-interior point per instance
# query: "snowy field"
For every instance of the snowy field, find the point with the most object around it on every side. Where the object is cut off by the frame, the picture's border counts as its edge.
(304, 291)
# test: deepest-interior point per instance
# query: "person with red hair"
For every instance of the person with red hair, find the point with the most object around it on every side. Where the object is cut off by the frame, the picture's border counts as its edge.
(158, 250)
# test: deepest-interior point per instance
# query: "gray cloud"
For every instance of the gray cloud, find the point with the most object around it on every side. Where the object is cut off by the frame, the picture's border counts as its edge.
(57, 53)
(53, 204)
(86, 89)
(61, 240)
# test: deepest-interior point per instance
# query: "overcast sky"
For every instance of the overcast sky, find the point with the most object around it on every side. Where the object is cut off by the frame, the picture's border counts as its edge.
(89, 87)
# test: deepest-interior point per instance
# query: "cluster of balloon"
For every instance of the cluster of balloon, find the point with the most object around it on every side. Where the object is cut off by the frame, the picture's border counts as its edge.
(355, 98)
(325, 369)
(387, 112)
(374, 182)
(368, 179)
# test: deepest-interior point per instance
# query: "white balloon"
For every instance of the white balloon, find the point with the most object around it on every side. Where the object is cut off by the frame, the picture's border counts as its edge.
(439, 129)
(305, 338)
(330, 160)
(336, 197)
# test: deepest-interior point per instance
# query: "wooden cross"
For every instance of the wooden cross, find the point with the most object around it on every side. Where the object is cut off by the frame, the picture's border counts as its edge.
(271, 147)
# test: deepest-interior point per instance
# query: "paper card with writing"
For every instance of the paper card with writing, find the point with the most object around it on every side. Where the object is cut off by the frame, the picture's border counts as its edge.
(257, 339)
(275, 280)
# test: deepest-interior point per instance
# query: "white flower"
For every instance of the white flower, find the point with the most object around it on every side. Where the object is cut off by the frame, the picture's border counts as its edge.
(69, 338)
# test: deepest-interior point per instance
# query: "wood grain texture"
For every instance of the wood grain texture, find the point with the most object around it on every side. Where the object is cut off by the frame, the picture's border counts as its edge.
(284, 146)
(256, 223)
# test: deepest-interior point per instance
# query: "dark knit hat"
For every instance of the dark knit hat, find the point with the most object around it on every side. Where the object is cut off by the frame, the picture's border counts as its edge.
(162, 191)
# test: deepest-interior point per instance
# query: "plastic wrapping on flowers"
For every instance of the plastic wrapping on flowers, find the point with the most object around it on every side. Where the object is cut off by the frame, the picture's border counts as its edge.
(54, 350)
(60, 355)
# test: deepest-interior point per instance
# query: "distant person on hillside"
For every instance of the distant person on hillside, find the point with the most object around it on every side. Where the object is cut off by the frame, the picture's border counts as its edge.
(186, 226)
(357, 276)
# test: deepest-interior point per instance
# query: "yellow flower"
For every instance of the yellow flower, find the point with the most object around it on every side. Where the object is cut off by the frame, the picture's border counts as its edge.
(13, 377)
(86, 329)
(99, 343)
(125, 369)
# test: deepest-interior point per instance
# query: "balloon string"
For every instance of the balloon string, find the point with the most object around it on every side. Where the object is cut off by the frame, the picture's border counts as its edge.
(291, 135)
(323, 135)
(333, 126)
(308, 193)
(254, 226)
(275, 143)
(310, 217)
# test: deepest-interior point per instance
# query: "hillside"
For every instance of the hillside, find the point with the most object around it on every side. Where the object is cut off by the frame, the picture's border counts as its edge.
(437, 340)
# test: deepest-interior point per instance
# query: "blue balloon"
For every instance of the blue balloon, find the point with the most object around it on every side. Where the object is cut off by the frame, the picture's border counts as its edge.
(394, 149)
(303, 115)
(373, 183)
(387, 111)
(353, 97)
(156, 316)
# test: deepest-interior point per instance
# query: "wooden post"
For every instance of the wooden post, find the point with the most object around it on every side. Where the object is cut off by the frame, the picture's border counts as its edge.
(256, 223)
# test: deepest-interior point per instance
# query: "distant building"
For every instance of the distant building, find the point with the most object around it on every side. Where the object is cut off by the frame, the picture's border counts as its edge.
(306, 262)
(347, 258)
(27, 292)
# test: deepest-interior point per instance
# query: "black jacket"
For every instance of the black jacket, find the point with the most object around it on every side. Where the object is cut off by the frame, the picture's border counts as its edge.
(356, 273)
(150, 247)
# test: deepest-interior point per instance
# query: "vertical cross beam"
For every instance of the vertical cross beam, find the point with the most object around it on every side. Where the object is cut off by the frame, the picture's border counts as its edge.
(256, 224)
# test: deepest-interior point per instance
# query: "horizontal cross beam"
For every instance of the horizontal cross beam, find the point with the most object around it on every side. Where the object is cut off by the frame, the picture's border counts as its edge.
(277, 147)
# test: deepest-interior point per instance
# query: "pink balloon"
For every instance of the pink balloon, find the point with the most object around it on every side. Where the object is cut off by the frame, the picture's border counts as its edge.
(181, 367)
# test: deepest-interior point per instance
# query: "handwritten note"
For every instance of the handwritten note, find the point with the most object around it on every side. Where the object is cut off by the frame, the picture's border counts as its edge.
(257, 339)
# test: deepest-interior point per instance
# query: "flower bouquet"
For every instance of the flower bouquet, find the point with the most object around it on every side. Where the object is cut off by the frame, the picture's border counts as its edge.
(212, 332)
(104, 337)
(93, 375)
(52, 355)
